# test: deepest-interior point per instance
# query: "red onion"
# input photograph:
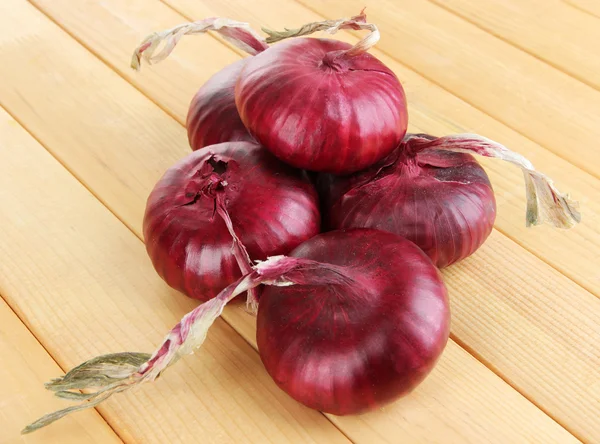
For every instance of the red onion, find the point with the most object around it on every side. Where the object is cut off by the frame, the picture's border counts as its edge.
(196, 209)
(365, 324)
(431, 191)
(317, 104)
(213, 117)
(363, 341)
(320, 104)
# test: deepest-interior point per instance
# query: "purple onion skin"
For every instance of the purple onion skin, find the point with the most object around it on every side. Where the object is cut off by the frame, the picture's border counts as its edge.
(273, 208)
(321, 115)
(213, 117)
(350, 348)
(441, 201)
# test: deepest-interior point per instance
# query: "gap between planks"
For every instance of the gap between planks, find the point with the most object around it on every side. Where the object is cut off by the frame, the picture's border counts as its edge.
(162, 108)
(493, 369)
(581, 8)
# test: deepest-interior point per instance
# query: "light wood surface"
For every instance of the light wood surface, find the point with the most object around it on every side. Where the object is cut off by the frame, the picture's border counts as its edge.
(25, 367)
(591, 7)
(556, 31)
(524, 359)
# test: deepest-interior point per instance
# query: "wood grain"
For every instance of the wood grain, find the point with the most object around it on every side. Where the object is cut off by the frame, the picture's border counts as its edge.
(432, 109)
(591, 7)
(553, 30)
(25, 367)
(541, 102)
(83, 284)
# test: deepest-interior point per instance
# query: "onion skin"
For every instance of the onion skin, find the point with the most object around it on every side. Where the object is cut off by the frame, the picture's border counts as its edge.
(347, 349)
(320, 112)
(273, 208)
(441, 201)
(213, 117)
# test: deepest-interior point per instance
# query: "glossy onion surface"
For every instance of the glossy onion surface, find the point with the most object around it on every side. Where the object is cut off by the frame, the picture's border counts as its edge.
(441, 201)
(353, 347)
(273, 208)
(320, 113)
(213, 117)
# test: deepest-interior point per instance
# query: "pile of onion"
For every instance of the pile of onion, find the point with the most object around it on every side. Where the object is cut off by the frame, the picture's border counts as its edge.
(349, 319)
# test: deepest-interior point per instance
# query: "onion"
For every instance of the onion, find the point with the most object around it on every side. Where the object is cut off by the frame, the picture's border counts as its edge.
(317, 104)
(320, 104)
(209, 198)
(365, 324)
(433, 192)
(363, 341)
(213, 117)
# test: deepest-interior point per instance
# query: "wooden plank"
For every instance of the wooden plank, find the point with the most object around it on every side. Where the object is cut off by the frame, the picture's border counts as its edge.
(25, 367)
(83, 284)
(79, 261)
(73, 72)
(544, 104)
(432, 109)
(553, 30)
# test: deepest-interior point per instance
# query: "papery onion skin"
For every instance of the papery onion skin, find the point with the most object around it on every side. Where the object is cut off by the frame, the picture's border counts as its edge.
(273, 208)
(319, 112)
(441, 201)
(347, 349)
(213, 117)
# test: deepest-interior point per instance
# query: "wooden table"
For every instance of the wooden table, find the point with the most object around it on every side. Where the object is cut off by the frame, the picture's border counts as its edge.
(83, 139)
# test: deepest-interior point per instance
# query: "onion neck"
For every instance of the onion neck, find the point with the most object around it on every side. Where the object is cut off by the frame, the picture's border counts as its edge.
(545, 204)
(335, 61)
(407, 165)
(210, 182)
